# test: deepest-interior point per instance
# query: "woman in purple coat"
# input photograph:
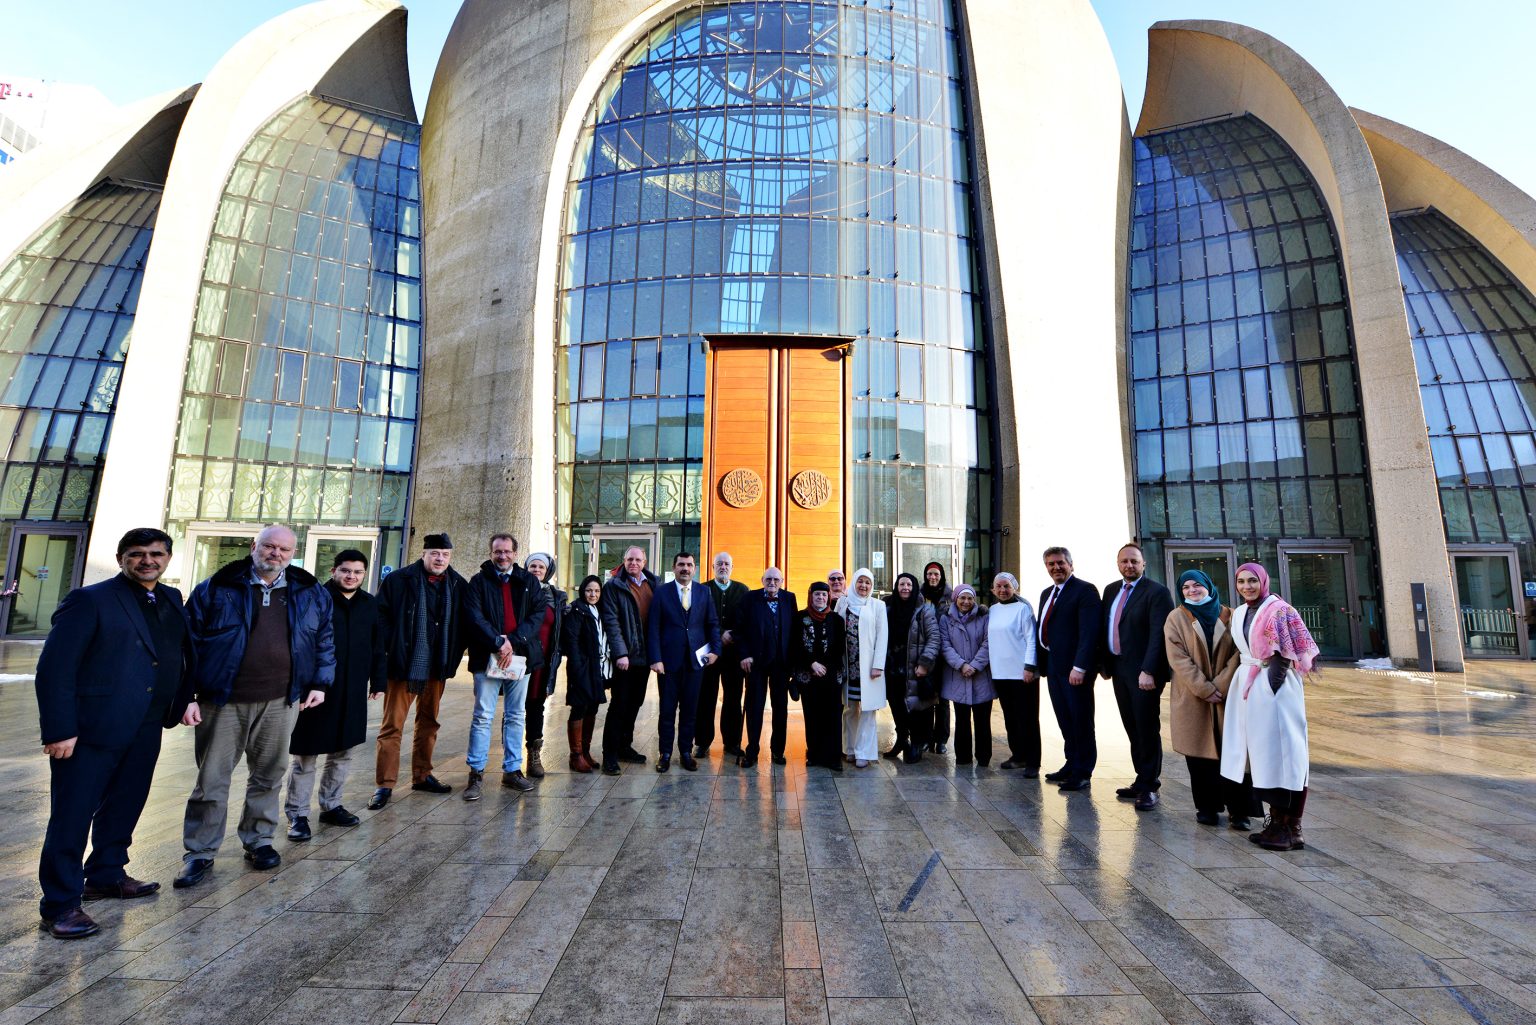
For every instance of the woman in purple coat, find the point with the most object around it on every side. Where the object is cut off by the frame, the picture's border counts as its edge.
(967, 681)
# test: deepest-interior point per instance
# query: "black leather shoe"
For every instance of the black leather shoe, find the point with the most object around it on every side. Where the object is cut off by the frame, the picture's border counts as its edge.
(515, 780)
(611, 768)
(700, 752)
(746, 761)
(1074, 784)
(432, 785)
(734, 752)
(192, 873)
(631, 756)
(263, 858)
(664, 763)
(299, 831)
(379, 799)
(780, 760)
(1129, 793)
(895, 752)
(941, 749)
(1057, 776)
(73, 924)
(1147, 801)
(689, 762)
(1032, 773)
(1011, 764)
(1207, 818)
(126, 888)
(1237, 822)
(338, 816)
(913, 755)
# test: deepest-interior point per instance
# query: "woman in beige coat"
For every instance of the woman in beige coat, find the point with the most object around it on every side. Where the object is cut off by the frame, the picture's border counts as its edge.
(1204, 659)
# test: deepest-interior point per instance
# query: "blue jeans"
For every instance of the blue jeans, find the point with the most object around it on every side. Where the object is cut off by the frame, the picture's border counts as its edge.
(515, 694)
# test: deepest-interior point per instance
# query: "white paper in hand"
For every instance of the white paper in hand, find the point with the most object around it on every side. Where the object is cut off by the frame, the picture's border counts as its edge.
(702, 654)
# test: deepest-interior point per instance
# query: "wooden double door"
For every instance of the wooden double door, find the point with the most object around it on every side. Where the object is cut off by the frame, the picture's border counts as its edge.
(776, 458)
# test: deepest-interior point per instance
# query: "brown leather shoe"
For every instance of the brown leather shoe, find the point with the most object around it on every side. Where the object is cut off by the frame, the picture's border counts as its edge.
(73, 924)
(125, 888)
(1282, 839)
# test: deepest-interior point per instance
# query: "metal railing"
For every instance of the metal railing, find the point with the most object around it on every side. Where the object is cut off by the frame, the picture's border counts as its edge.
(1490, 629)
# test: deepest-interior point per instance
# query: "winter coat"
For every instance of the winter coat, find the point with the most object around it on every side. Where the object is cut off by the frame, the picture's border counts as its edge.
(621, 618)
(483, 612)
(873, 638)
(222, 612)
(398, 600)
(963, 641)
(1197, 673)
(923, 649)
(555, 609)
(821, 642)
(341, 721)
(584, 682)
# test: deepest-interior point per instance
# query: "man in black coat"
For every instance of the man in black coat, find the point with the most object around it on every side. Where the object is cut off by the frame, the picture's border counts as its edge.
(625, 605)
(116, 670)
(766, 625)
(1135, 607)
(423, 610)
(1066, 650)
(723, 678)
(338, 726)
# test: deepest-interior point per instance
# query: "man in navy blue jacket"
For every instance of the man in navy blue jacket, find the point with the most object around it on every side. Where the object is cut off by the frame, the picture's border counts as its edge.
(265, 642)
(682, 636)
(116, 670)
(1067, 639)
(766, 624)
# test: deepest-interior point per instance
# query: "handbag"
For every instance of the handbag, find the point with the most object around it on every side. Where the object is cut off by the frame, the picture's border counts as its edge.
(516, 669)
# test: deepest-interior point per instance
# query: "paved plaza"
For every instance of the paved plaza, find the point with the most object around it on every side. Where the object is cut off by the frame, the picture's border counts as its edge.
(924, 893)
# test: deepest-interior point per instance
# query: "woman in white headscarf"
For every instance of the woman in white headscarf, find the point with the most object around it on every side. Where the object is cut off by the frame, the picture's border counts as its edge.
(863, 682)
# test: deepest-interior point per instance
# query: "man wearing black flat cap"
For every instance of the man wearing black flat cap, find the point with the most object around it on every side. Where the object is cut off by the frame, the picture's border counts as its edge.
(422, 607)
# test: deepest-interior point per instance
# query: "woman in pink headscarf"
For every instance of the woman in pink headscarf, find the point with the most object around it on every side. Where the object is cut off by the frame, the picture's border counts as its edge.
(1266, 722)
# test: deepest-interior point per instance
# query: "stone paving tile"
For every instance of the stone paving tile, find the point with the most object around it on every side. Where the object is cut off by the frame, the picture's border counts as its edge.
(786, 895)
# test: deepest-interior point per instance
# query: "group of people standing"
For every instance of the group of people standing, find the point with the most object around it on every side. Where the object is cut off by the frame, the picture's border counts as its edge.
(270, 664)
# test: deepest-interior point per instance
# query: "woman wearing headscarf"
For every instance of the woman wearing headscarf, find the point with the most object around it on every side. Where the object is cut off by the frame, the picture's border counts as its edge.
(936, 593)
(1011, 648)
(816, 655)
(908, 660)
(588, 668)
(967, 677)
(867, 635)
(1266, 722)
(541, 684)
(1201, 652)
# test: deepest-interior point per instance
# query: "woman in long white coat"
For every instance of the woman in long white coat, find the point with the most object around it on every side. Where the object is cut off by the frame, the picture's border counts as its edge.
(863, 681)
(1266, 722)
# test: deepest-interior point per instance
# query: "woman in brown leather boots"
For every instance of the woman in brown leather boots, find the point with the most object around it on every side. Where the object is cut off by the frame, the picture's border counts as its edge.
(587, 671)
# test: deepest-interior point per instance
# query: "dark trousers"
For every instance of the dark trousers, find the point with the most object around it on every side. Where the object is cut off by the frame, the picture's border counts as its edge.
(679, 709)
(763, 683)
(896, 701)
(1074, 715)
(822, 705)
(1141, 715)
(533, 707)
(981, 716)
(723, 682)
(625, 697)
(1213, 792)
(100, 792)
(1021, 720)
(938, 732)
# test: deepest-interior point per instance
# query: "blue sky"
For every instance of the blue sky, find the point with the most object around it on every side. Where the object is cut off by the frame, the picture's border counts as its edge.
(1465, 78)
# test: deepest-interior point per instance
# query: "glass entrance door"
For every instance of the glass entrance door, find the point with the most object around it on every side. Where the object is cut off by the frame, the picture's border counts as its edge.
(915, 549)
(1492, 617)
(208, 550)
(1320, 585)
(1218, 562)
(609, 544)
(44, 566)
(321, 548)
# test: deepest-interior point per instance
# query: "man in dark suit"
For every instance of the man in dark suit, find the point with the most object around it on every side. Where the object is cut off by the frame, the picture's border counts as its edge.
(766, 627)
(1135, 660)
(116, 670)
(682, 635)
(722, 680)
(1067, 650)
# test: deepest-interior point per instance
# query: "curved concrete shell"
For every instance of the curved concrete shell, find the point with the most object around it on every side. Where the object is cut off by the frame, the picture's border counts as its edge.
(1199, 70)
(495, 189)
(1418, 170)
(353, 50)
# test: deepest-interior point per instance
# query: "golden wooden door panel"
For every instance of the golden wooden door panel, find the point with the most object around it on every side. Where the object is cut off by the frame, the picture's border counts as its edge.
(813, 526)
(738, 436)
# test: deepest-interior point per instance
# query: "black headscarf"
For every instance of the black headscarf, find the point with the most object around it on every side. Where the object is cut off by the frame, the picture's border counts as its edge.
(899, 611)
(941, 591)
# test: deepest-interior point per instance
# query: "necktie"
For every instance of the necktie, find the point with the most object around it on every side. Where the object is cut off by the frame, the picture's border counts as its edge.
(1124, 599)
(687, 603)
(1050, 610)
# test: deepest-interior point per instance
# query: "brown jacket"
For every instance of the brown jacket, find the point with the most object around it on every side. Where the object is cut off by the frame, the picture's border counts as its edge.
(1197, 675)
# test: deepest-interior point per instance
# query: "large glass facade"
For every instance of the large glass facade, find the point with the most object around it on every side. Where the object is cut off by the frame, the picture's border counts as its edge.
(1474, 337)
(300, 397)
(776, 168)
(67, 302)
(1244, 398)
